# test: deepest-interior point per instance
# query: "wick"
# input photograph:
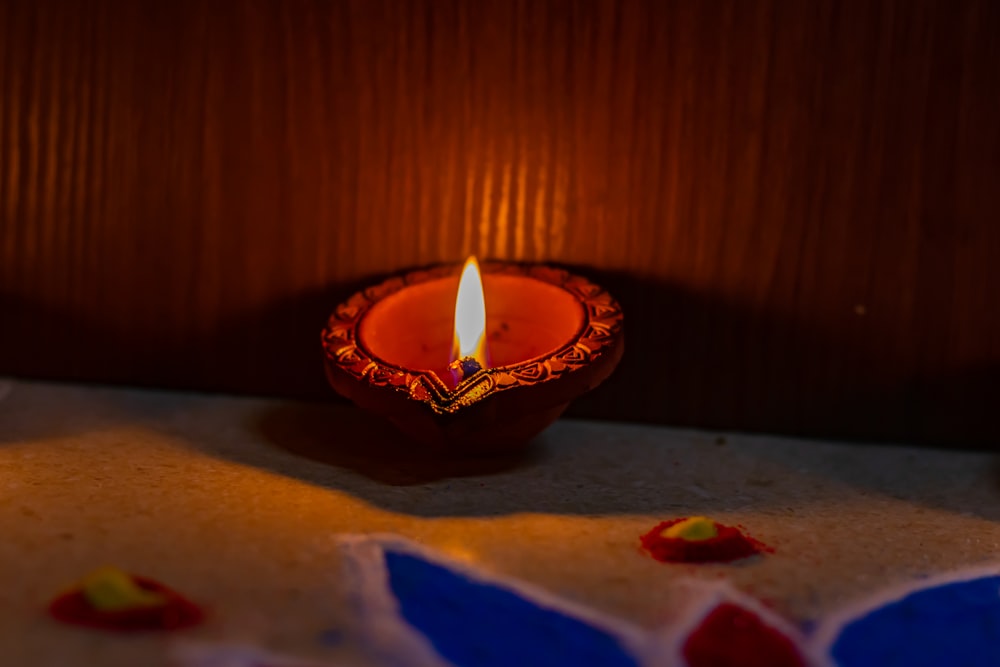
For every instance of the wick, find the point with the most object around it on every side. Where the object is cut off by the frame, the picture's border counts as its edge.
(464, 367)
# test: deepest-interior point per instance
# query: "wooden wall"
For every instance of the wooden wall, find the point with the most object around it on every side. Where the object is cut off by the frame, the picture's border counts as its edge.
(796, 201)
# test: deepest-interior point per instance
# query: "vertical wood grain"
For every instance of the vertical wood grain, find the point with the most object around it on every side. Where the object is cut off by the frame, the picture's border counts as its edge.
(795, 201)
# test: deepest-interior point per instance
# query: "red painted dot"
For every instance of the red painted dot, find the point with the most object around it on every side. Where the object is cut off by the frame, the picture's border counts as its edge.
(730, 544)
(731, 636)
(175, 613)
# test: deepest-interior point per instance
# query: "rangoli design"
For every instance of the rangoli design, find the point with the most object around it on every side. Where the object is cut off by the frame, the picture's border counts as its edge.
(418, 608)
(415, 607)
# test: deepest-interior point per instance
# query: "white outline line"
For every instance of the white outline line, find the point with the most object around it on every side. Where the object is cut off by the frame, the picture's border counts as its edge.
(705, 596)
(232, 654)
(383, 623)
(833, 625)
(384, 633)
(382, 626)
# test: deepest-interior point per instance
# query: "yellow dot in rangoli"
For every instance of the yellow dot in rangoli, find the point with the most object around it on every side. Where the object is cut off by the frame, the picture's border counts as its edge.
(692, 529)
(110, 589)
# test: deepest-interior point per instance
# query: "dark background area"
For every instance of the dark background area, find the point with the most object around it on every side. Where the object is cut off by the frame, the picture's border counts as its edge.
(795, 202)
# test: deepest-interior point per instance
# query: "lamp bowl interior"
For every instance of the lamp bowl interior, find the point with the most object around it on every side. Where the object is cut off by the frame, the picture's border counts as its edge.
(525, 318)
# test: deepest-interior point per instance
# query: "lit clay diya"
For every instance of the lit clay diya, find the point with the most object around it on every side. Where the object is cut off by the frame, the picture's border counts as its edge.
(546, 337)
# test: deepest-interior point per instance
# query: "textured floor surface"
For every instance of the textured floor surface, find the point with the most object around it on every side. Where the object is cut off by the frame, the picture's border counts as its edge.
(235, 501)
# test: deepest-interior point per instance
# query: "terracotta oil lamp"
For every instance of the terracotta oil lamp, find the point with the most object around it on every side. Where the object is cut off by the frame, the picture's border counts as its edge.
(469, 365)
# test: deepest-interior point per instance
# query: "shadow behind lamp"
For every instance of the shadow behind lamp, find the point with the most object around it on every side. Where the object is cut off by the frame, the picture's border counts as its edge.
(459, 375)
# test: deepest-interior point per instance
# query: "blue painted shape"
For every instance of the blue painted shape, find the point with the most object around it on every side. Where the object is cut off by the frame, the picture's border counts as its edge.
(949, 624)
(473, 624)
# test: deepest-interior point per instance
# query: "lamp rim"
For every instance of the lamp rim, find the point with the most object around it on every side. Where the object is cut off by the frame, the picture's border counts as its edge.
(598, 339)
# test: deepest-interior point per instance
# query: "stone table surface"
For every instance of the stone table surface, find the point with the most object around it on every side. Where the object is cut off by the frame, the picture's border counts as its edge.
(236, 502)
